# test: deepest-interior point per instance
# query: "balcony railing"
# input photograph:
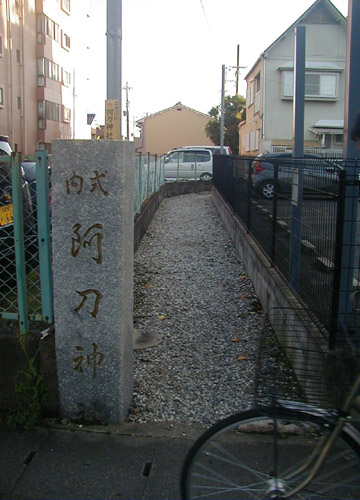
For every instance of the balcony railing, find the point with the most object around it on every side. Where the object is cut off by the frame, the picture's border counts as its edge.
(324, 153)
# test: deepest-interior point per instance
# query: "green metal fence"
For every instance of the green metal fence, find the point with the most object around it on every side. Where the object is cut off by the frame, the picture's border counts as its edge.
(149, 177)
(26, 292)
(25, 245)
(25, 232)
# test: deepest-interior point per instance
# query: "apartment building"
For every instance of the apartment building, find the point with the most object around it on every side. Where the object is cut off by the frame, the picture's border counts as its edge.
(36, 68)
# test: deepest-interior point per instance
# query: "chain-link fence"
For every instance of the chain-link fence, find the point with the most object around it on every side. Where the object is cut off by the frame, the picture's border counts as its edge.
(26, 292)
(149, 177)
(25, 231)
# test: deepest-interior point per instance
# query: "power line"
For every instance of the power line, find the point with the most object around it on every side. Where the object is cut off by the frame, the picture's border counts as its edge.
(203, 9)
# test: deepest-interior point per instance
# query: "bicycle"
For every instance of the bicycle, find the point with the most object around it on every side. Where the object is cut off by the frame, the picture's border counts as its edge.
(288, 450)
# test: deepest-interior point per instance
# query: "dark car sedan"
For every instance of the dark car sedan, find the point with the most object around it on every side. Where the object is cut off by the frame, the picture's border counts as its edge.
(320, 176)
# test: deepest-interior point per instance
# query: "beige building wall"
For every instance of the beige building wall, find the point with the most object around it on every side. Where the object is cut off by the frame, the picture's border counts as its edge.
(172, 128)
(18, 73)
(21, 46)
(250, 131)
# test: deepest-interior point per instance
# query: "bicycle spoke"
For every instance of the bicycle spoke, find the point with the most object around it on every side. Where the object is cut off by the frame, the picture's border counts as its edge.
(236, 460)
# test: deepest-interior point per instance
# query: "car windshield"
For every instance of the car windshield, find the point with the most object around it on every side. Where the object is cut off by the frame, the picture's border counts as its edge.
(5, 149)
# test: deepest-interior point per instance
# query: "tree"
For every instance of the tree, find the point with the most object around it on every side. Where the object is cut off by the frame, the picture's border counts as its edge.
(234, 113)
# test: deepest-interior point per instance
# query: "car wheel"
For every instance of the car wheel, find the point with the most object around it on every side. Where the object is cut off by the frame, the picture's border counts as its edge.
(206, 177)
(266, 190)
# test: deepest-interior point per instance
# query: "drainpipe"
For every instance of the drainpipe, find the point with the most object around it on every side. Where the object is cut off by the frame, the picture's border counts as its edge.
(263, 106)
(222, 110)
(24, 136)
(74, 104)
(9, 51)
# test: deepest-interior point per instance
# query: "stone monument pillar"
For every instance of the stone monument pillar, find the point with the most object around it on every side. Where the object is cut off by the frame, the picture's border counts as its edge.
(93, 234)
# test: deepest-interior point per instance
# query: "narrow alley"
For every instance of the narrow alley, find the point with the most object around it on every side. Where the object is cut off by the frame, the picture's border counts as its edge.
(193, 291)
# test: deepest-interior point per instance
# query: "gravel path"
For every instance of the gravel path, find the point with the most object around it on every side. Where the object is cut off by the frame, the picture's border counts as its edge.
(192, 289)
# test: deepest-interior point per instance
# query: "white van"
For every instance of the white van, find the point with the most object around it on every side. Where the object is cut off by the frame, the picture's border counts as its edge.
(216, 150)
(188, 163)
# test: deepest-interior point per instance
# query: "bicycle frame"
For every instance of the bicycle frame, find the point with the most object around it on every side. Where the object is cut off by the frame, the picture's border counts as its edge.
(324, 446)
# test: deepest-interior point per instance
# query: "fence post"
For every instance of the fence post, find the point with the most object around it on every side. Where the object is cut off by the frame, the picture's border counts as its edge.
(162, 171)
(18, 208)
(148, 177)
(178, 166)
(155, 180)
(195, 166)
(249, 188)
(140, 183)
(348, 242)
(43, 220)
(274, 217)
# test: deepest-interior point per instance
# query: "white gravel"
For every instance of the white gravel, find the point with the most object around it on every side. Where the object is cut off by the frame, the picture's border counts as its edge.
(192, 289)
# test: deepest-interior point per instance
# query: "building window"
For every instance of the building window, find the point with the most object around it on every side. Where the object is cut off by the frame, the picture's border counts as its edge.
(18, 55)
(339, 139)
(1, 45)
(66, 41)
(41, 124)
(250, 94)
(19, 102)
(1, 96)
(257, 83)
(66, 115)
(45, 26)
(317, 85)
(67, 78)
(47, 68)
(65, 5)
(48, 110)
(52, 111)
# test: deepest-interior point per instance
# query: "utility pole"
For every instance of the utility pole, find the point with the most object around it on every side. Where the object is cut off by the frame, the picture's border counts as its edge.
(237, 70)
(222, 119)
(127, 89)
(114, 55)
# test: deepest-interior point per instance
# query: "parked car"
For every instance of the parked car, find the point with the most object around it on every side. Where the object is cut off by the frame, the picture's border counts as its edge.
(186, 163)
(29, 168)
(5, 148)
(216, 150)
(7, 249)
(320, 176)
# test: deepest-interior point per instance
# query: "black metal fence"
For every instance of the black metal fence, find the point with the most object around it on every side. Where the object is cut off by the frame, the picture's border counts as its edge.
(302, 212)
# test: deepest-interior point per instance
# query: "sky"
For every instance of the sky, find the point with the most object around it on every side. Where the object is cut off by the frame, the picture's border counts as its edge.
(174, 51)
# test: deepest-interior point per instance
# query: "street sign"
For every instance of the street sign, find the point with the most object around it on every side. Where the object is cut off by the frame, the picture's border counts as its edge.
(90, 118)
(112, 119)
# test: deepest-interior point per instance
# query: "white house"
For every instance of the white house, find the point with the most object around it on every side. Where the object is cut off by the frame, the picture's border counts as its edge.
(270, 87)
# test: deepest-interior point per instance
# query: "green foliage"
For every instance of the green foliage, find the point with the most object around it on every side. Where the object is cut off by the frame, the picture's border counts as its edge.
(235, 107)
(30, 390)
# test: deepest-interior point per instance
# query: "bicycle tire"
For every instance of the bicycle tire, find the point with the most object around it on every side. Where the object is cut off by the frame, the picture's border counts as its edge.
(234, 459)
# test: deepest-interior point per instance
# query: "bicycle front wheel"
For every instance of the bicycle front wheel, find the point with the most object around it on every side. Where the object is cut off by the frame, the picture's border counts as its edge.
(266, 454)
